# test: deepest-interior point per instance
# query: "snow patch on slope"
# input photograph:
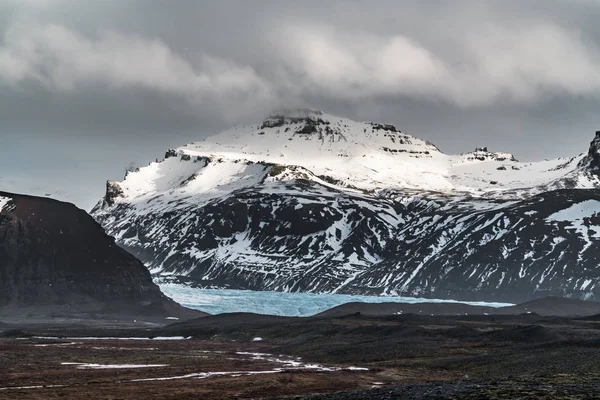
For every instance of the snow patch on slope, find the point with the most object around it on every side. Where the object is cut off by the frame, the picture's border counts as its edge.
(577, 212)
(576, 216)
(175, 180)
(4, 201)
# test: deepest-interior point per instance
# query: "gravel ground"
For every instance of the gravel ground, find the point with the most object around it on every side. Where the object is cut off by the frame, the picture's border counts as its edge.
(406, 357)
(469, 391)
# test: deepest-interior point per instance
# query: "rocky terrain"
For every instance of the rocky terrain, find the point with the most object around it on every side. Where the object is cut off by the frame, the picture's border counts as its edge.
(351, 356)
(309, 202)
(56, 260)
(549, 306)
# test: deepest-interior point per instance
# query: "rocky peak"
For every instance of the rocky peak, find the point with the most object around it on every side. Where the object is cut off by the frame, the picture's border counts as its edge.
(171, 153)
(384, 127)
(309, 118)
(592, 160)
(113, 190)
(305, 124)
(483, 154)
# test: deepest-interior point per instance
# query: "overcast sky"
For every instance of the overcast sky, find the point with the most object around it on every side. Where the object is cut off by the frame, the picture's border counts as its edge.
(89, 87)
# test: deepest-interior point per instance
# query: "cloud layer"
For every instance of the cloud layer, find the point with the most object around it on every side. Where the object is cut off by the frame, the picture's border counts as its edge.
(63, 60)
(497, 65)
(491, 64)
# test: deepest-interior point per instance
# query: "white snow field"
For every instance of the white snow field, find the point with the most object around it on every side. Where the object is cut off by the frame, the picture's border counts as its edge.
(219, 301)
(359, 155)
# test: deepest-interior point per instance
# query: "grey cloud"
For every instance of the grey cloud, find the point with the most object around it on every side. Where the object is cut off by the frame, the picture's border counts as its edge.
(498, 64)
(63, 60)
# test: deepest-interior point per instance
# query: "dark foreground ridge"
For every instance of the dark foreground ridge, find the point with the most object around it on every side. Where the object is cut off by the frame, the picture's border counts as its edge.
(54, 258)
(490, 390)
(549, 306)
(356, 356)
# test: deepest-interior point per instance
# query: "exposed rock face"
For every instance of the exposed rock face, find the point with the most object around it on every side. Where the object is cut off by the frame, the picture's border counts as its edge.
(113, 190)
(592, 160)
(171, 153)
(482, 154)
(53, 254)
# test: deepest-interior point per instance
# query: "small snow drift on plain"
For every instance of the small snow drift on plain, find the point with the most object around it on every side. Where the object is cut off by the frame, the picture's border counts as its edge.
(114, 338)
(31, 387)
(286, 363)
(112, 366)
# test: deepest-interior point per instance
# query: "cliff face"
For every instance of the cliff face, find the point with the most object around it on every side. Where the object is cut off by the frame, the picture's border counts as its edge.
(592, 160)
(53, 254)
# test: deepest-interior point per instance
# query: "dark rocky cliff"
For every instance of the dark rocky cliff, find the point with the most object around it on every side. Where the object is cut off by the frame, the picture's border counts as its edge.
(54, 255)
(592, 160)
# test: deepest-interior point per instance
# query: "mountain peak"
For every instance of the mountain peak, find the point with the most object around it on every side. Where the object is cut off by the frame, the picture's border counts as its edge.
(313, 118)
(483, 154)
(310, 119)
(364, 156)
(298, 136)
(592, 160)
(296, 113)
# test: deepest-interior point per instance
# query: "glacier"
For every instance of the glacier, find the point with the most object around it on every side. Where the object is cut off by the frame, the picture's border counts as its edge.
(219, 301)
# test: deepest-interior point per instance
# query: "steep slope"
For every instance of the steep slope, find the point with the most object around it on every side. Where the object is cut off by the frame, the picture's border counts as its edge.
(311, 202)
(545, 245)
(54, 256)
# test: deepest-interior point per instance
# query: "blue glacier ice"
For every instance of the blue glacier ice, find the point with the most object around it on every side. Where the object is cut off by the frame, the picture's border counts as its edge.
(219, 301)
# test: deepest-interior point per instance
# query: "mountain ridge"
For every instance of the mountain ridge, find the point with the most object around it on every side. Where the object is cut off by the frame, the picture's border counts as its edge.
(313, 202)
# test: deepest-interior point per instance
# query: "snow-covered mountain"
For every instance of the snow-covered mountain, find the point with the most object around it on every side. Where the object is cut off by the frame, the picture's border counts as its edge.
(306, 201)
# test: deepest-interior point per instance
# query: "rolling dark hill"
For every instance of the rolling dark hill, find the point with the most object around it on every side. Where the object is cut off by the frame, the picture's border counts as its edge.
(55, 258)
